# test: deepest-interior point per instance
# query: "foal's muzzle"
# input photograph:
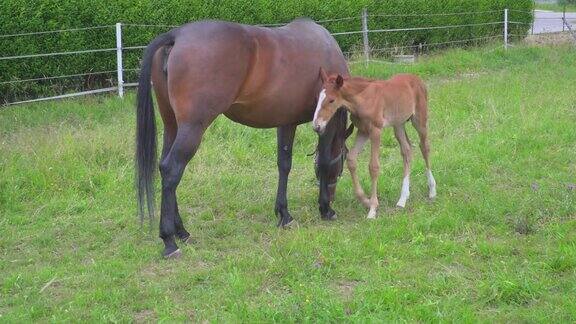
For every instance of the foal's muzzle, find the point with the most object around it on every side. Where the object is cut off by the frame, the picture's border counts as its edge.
(319, 127)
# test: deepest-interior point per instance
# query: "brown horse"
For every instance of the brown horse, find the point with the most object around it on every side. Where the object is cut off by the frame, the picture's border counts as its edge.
(373, 105)
(256, 76)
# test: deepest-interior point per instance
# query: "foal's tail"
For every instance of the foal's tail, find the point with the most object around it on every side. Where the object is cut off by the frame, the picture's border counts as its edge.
(146, 129)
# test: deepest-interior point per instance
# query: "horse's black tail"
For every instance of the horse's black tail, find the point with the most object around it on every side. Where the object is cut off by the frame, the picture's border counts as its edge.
(146, 129)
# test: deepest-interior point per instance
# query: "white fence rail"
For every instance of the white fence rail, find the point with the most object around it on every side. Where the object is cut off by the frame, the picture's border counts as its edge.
(365, 32)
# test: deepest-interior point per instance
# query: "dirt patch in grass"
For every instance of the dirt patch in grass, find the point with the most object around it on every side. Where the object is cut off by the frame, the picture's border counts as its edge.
(345, 288)
(550, 39)
(145, 316)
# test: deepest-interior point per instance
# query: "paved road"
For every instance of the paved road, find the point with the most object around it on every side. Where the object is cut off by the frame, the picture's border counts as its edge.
(550, 22)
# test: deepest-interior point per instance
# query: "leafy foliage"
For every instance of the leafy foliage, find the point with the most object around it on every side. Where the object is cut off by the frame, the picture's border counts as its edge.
(21, 16)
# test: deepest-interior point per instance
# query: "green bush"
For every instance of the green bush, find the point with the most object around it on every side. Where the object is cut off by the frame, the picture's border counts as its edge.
(20, 16)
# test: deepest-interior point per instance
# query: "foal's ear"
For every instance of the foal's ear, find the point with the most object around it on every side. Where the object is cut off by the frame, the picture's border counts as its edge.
(323, 75)
(339, 81)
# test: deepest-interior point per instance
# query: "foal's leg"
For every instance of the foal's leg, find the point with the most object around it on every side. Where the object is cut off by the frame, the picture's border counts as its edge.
(352, 161)
(285, 137)
(422, 129)
(406, 150)
(374, 169)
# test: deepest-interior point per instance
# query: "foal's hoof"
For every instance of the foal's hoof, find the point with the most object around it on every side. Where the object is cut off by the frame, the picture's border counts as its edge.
(371, 214)
(172, 255)
(401, 204)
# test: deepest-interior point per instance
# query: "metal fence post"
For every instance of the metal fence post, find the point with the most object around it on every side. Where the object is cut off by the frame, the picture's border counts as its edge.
(563, 17)
(365, 35)
(565, 23)
(119, 60)
(533, 20)
(506, 28)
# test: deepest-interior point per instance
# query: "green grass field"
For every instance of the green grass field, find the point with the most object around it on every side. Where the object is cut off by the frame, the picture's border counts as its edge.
(498, 244)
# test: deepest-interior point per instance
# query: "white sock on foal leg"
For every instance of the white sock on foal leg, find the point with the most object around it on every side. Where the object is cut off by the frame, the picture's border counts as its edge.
(372, 213)
(431, 184)
(405, 192)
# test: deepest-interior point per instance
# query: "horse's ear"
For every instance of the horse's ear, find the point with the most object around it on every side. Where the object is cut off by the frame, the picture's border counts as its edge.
(339, 81)
(323, 75)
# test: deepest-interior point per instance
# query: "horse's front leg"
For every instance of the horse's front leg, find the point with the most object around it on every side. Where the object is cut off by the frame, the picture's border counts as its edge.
(324, 146)
(285, 138)
(374, 169)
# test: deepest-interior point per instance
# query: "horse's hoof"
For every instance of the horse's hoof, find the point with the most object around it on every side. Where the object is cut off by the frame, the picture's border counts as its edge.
(331, 215)
(173, 255)
(401, 204)
(285, 222)
(187, 240)
(291, 224)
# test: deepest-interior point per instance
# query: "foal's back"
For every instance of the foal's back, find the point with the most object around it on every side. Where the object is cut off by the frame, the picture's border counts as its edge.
(397, 99)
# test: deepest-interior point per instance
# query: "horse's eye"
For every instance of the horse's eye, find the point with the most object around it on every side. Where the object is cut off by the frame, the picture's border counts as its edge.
(332, 101)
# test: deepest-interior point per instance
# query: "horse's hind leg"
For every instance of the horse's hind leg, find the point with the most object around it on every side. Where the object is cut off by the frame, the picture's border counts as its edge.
(406, 150)
(419, 122)
(285, 137)
(170, 130)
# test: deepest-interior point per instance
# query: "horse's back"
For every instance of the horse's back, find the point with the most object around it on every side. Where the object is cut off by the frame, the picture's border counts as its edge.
(265, 76)
(208, 59)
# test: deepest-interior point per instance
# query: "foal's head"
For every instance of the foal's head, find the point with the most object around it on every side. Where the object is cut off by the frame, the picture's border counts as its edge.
(329, 100)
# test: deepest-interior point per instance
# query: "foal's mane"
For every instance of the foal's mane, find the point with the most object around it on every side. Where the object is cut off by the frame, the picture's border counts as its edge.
(357, 84)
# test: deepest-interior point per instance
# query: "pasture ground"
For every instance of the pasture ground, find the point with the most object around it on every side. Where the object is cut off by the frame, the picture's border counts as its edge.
(498, 244)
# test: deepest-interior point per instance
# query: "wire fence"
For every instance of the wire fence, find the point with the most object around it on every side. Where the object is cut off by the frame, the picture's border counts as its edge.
(117, 76)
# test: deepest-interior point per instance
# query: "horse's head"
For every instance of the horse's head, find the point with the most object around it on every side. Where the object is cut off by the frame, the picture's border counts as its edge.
(330, 120)
(331, 151)
(329, 100)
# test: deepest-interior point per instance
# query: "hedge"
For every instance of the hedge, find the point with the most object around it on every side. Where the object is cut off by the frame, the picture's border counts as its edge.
(20, 16)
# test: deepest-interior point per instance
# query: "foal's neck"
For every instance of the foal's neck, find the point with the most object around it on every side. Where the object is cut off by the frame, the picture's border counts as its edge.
(351, 89)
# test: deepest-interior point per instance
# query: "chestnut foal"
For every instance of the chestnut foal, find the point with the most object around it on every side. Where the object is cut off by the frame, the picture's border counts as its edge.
(373, 105)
